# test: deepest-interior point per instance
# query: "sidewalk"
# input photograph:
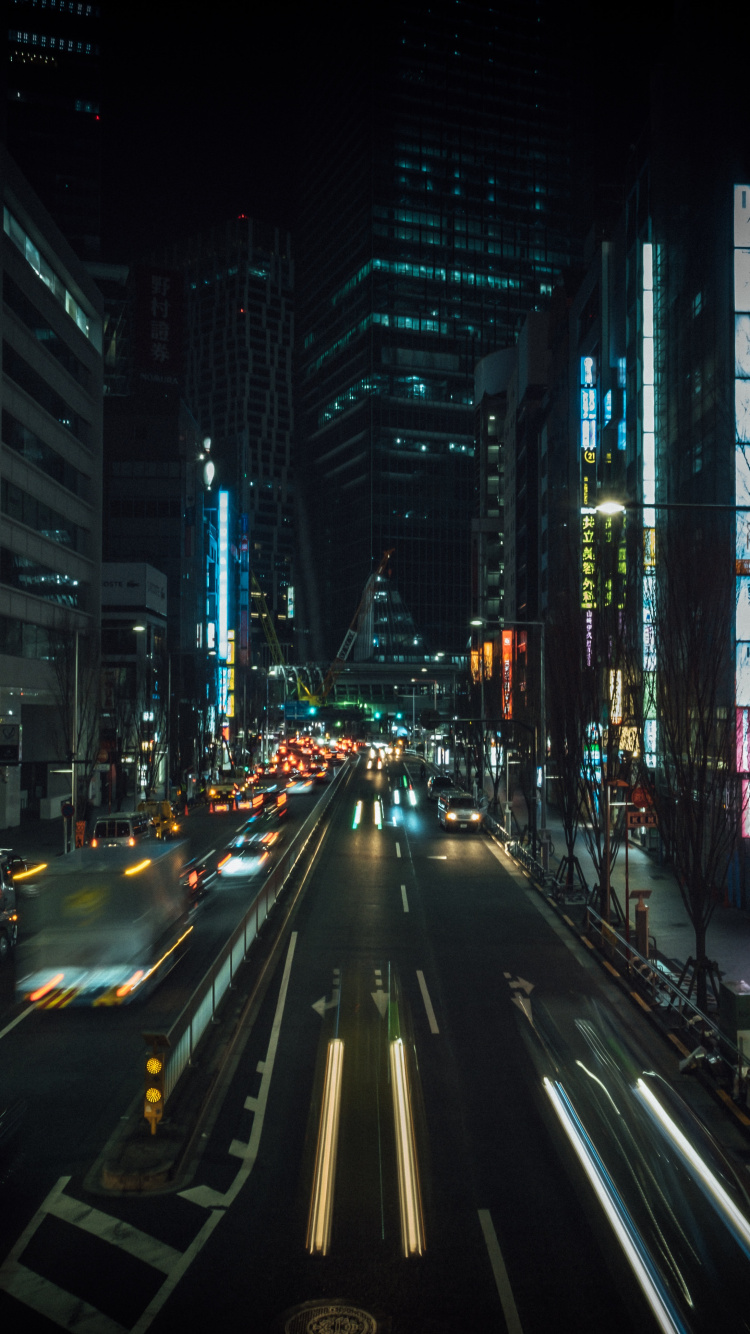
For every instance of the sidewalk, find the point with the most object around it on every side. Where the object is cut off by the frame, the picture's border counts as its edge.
(728, 935)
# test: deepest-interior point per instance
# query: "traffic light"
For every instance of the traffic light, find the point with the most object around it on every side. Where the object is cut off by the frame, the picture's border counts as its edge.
(155, 1068)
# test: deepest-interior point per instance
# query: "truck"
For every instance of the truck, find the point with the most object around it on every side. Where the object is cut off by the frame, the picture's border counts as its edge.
(101, 926)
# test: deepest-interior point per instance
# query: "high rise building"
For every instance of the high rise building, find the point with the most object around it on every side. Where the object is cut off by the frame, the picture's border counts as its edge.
(50, 498)
(52, 86)
(239, 283)
(435, 215)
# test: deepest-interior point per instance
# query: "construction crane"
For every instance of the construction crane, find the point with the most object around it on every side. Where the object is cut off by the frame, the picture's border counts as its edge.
(277, 657)
(347, 643)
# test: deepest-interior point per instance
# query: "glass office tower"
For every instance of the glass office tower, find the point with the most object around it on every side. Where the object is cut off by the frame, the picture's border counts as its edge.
(435, 215)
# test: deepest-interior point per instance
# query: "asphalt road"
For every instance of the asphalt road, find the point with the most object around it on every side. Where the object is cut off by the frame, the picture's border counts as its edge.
(408, 943)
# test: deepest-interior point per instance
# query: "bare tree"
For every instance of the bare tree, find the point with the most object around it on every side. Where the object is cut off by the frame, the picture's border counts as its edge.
(76, 665)
(565, 723)
(697, 791)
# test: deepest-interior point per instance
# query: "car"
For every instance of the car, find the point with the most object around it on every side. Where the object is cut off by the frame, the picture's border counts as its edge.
(114, 830)
(251, 858)
(438, 783)
(458, 810)
(8, 911)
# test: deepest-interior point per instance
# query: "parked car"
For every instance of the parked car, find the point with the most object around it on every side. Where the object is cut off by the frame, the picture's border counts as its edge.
(114, 830)
(458, 810)
(438, 783)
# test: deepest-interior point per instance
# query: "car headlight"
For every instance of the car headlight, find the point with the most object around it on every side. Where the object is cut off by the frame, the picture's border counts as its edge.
(451, 815)
(475, 815)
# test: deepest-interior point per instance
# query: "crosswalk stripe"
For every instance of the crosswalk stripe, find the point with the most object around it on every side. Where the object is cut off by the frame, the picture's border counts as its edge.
(131, 1239)
(59, 1306)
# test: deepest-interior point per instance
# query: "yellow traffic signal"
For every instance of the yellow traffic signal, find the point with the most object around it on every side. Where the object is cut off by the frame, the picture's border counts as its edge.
(154, 1092)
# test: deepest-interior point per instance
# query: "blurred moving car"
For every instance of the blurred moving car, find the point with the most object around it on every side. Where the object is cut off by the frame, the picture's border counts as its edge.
(458, 810)
(438, 783)
(8, 909)
(251, 857)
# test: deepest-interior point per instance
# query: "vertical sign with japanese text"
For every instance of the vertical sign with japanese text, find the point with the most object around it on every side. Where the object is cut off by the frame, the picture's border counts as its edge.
(158, 329)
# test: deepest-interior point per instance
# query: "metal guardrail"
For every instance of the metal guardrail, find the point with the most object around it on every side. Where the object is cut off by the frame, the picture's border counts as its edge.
(728, 1065)
(191, 1024)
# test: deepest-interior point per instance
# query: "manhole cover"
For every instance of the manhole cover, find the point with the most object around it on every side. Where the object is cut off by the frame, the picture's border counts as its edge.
(337, 1317)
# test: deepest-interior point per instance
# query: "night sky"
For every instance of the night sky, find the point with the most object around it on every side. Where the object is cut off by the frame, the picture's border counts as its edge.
(202, 119)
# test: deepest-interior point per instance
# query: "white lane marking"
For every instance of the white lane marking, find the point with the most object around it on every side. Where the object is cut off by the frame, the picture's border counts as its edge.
(398, 849)
(205, 1195)
(432, 1021)
(17, 1020)
(128, 1238)
(61, 1308)
(404, 898)
(205, 859)
(502, 1282)
(169, 1284)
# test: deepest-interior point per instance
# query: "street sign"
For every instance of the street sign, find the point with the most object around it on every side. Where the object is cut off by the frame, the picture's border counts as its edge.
(640, 796)
(642, 820)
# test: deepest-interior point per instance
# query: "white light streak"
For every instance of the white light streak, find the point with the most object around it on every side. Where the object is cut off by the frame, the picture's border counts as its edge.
(736, 1222)
(412, 1222)
(633, 1248)
(321, 1201)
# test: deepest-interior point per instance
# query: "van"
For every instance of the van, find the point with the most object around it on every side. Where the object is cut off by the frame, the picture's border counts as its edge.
(113, 831)
(458, 810)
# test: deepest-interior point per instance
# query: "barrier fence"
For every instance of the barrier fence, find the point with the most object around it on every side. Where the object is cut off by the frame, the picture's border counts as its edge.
(191, 1024)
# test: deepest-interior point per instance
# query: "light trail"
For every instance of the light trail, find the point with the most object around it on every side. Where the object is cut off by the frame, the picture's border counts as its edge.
(321, 1201)
(736, 1222)
(624, 1229)
(412, 1222)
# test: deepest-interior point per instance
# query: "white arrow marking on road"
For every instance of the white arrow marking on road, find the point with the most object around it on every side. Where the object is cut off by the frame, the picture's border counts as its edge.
(381, 998)
(528, 987)
(322, 1005)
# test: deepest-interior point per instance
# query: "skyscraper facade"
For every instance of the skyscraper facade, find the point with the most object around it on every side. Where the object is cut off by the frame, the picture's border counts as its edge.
(52, 85)
(239, 282)
(435, 215)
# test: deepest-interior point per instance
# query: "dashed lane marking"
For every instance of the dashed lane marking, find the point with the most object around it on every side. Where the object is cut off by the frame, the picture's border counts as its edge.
(502, 1282)
(404, 899)
(432, 1021)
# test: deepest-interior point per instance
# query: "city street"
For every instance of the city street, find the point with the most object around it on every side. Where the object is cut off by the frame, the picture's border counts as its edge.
(406, 940)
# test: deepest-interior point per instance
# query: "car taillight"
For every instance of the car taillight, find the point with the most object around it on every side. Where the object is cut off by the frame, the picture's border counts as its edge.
(131, 842)
(95, 842)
